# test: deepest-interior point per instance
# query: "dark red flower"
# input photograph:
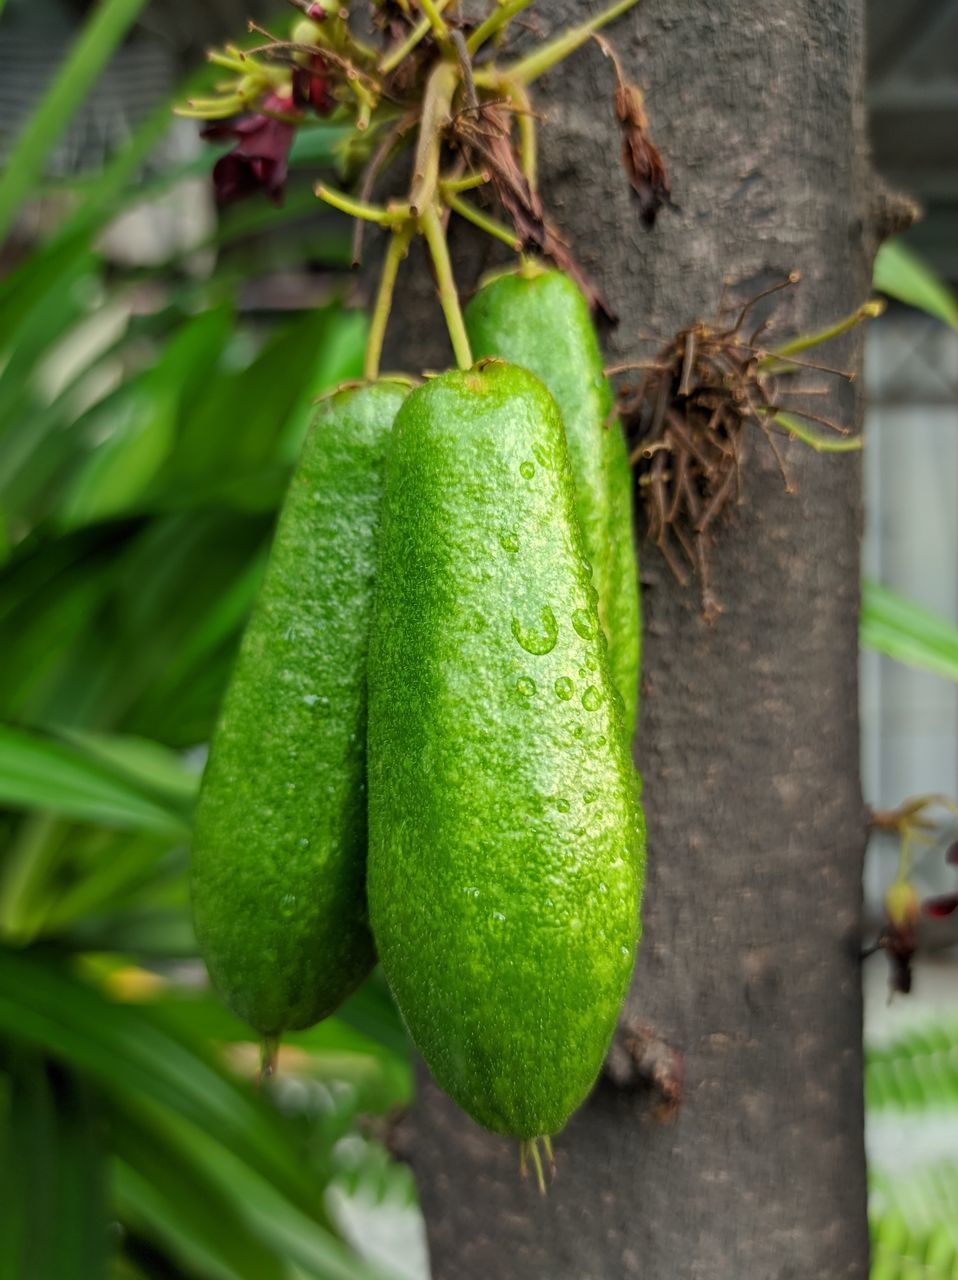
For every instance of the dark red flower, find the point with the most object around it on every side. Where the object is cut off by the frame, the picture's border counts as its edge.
(312, 86)
(260, 159)
(942, 906)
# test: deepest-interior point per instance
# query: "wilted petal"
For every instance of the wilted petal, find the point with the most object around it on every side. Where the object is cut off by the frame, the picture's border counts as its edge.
(942, 906)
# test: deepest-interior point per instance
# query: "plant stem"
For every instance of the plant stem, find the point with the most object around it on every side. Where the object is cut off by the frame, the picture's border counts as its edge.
(437, 103)
(867, 311)
(401, 51)
(499, 18)
(467, 183)
(398, 244)
(821, 444)
(385, 217)
(537, 63)
(528, 138)
(431, 228)
(498, 230)
(432, 12)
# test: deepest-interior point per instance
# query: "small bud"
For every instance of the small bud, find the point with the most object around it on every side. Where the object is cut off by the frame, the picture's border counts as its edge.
(307, 33)
(902, 905)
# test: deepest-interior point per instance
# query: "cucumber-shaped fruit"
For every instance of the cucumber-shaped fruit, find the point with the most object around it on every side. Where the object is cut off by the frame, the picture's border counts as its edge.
(279, 852)
(505, 856)
(539, 319)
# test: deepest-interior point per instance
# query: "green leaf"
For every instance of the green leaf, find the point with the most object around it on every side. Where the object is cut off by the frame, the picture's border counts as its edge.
(39, 773)
(98, 39)
(144, 1066)
(902, 274)
(903, 630)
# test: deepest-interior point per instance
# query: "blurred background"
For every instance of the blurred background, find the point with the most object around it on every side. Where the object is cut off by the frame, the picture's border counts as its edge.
(158, 362)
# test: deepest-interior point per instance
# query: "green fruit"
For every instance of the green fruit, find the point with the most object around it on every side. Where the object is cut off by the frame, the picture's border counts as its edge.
(540, 320)
(505, 856)
(280, 840)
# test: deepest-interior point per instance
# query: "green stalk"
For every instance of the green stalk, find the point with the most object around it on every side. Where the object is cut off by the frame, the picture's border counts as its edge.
(498, 230)
(540, 61)
(804, 342)
(398, 244)
(821, 444)
(437, 103)
(431, 228)
(86, 59)
(418, 33)
(499, 18)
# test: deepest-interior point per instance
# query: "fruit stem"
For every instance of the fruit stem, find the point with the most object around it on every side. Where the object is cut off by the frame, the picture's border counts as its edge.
(528, 138)
(537, 1165)
(541, 60)
(431, 228)
(269, 1051)
(499, 18)
(498, 230)
(398, 245)
(437, 103)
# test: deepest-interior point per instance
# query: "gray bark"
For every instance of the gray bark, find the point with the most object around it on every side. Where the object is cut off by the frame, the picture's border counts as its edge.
(748, 739)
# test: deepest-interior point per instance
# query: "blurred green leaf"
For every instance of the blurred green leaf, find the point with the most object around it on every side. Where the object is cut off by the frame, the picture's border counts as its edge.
(902, 274)
(146, 1069)
(903, 630)
(37, 772)
(98, 39)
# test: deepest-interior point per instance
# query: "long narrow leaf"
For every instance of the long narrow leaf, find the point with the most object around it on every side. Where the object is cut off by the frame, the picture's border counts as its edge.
(37, 773)
(903, 630)
(903, 275)
(97, 41)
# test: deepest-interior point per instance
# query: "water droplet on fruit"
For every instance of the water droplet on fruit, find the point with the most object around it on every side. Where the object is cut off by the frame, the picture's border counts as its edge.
(310, 699)
(584, 624)
(527, 469)
(591, 795)
(587, 566)
(304, 842)
(509, 540)
(592, 699)
(525, 686)
(564, 688)
(539, 637)
(472, 891)
(603, 888)
(497, 915)
(562, 805)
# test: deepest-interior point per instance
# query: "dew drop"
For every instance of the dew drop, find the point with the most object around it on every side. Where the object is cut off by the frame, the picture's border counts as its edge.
(562, 805)
(497, 915)
(541, 636)
(525, 686)
(509, 540)
(304, 842)
(543, 456)
(527, 469)
(564, 688)
(472, 891)
(592, 699)
(591, 795)
(603, 888)
(584, 624)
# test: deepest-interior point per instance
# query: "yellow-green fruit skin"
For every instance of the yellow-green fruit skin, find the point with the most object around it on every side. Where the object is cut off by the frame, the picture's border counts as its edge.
(279, 850)
(539, 319)
(506, 844)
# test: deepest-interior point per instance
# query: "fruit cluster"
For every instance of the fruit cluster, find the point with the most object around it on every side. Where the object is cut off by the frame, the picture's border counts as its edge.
(432, 706)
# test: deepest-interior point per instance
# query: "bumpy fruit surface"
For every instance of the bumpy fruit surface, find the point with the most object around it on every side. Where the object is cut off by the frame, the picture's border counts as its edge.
(539, 319)
(506, 850)
(279, 852)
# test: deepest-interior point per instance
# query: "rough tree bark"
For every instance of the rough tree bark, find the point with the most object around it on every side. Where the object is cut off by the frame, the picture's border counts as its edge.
(748, 738)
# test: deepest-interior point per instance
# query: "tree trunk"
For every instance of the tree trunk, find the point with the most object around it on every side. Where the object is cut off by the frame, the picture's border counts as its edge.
(748, 736)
